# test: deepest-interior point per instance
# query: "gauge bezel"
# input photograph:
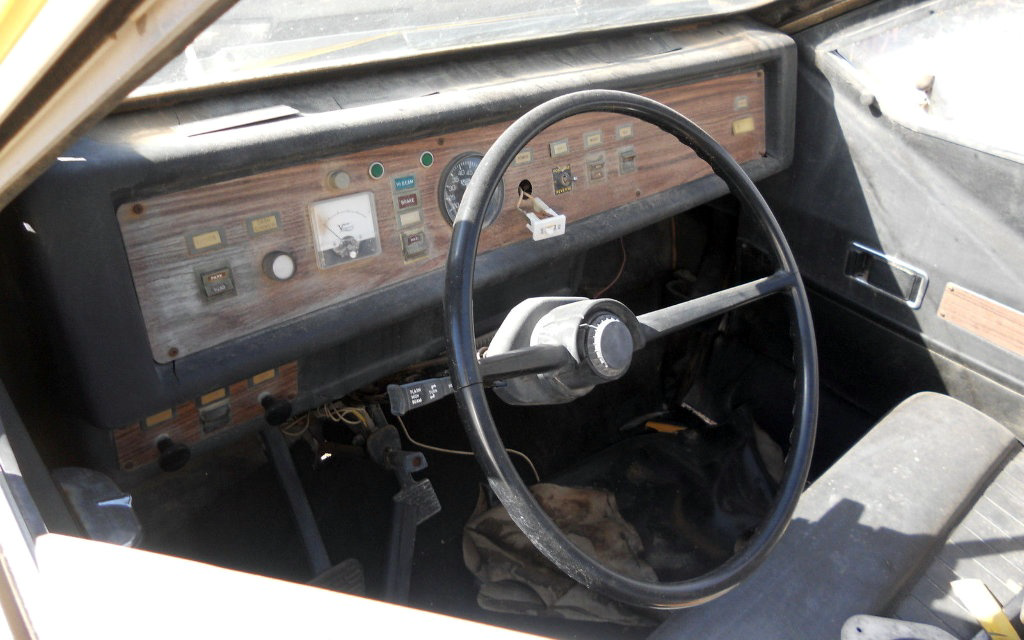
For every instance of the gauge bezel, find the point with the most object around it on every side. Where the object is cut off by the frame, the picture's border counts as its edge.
(494, 203)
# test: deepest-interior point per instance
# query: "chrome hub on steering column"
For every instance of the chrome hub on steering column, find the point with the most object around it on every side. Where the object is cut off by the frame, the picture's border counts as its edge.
(599, 336)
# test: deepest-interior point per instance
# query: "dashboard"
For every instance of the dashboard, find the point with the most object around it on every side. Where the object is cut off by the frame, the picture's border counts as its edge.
(218, 262)
(192, 266)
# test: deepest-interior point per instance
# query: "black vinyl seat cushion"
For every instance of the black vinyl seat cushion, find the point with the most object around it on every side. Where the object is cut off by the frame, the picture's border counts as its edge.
(865, 532)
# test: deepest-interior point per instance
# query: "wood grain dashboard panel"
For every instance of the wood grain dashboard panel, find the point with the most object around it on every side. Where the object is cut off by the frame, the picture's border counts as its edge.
(207, 416)
(198, 256)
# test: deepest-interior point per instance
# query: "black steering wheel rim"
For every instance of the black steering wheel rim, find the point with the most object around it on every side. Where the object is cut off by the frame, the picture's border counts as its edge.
(469, 389)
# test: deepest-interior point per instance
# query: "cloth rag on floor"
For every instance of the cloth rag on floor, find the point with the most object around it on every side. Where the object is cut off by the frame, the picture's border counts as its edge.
(516, 578)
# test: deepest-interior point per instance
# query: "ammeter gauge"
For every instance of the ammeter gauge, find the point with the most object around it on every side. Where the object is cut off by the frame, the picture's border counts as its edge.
(344, 229)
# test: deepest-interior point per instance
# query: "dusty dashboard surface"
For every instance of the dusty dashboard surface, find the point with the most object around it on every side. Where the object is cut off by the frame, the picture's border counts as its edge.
(185, 275)
(218, 262)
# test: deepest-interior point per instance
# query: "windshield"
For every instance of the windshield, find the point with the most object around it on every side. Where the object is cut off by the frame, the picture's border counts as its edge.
(264, 38)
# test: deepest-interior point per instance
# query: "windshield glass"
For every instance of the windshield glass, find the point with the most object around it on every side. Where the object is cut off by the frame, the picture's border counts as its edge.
(263, 38)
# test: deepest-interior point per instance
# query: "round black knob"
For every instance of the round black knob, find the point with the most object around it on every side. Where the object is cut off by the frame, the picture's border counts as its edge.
(609, 345)
(276, 411)
(173, 455)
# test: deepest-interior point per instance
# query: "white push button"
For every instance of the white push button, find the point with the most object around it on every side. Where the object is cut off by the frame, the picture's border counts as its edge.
(278, 265)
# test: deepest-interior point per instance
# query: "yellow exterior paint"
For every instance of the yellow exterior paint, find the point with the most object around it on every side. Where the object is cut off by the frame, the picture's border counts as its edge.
(15, 16)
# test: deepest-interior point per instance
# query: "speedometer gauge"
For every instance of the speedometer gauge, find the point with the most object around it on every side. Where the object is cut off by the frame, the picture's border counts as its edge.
(454, 181)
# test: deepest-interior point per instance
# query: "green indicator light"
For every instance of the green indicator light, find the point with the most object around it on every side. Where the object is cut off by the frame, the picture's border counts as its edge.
(376, 170)
(426, 158)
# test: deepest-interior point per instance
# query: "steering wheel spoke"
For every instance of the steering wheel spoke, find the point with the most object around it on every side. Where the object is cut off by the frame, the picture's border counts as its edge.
(662, 322)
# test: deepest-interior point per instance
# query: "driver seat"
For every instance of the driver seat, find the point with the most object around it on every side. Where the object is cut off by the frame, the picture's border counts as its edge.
(928, 496)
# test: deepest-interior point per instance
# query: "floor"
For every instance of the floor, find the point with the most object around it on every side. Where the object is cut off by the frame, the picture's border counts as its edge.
(227, 508)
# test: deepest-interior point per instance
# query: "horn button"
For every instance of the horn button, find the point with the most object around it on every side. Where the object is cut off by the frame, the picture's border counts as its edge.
(600, 335)
(608, 345)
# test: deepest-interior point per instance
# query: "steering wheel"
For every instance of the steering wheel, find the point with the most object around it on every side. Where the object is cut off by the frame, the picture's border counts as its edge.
(589, 342)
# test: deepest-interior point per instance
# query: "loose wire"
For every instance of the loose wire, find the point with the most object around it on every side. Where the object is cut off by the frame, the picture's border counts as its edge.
(622, 268)
(338, 412)
(289, 429)
(457, 452)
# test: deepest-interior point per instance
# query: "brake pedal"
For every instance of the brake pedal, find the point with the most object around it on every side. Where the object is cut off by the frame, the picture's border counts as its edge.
(346, 576)
(415, 502)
